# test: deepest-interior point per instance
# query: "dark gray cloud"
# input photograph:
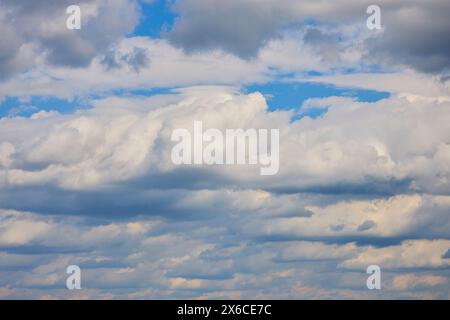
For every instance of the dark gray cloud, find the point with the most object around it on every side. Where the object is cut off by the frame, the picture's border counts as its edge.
(240, 27)
(416, 35)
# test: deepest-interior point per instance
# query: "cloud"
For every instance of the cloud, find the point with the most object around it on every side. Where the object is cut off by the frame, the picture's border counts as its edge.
(24, 229)
(125, 213)
(158, 63)
(367, 221)
(203, 258)
(244, 27)
(374, 147)
(238, 27)
(38, 31)
(409, 84)
(360, 183)
(411, 281)
(410, 254)
(410, 38)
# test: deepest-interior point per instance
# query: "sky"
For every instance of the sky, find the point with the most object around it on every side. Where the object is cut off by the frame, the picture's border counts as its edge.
(86, 176)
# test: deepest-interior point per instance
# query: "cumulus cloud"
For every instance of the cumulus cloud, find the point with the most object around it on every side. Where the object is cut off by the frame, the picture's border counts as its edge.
(376, 147)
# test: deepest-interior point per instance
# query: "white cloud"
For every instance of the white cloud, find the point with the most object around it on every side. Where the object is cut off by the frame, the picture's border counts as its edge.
(407, 83)
(411, 281)
(379, 218)
(377, 146)
(410, 254)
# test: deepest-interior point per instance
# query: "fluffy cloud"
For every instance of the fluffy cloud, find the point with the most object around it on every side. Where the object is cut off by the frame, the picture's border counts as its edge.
(376, 147)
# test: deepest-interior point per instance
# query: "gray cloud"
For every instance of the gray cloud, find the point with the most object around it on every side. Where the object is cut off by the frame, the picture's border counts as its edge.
(41, 26)
(415, 35)
(241, 27)
(137, 59)
(366, 225)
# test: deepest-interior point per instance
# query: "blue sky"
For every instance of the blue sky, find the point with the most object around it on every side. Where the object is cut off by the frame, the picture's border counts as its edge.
(280, 96)
(87, 178)
(156, 17)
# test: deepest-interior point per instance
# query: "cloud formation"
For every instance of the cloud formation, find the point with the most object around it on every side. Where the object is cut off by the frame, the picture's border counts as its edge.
(376, 147)
(226, 227)
(362, 181)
